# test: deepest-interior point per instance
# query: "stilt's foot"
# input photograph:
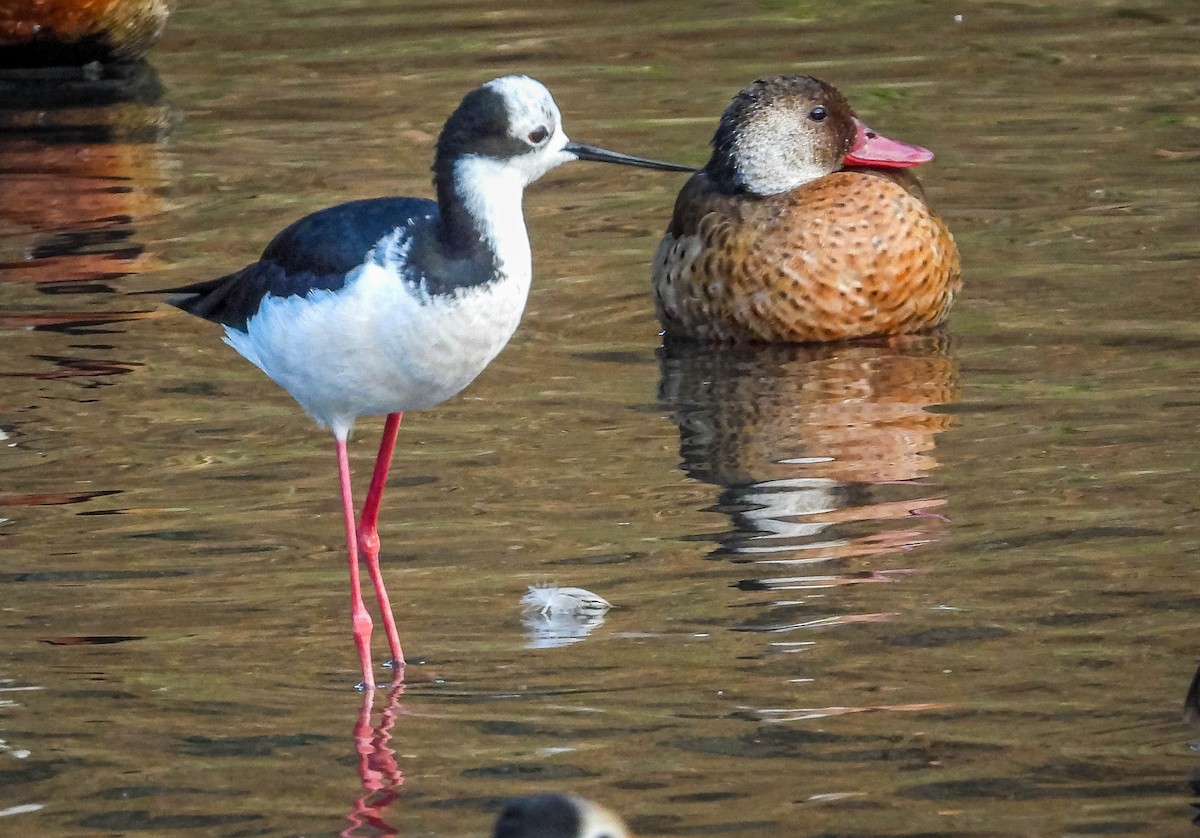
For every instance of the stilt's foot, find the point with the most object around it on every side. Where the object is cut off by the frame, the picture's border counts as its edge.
(397, 669)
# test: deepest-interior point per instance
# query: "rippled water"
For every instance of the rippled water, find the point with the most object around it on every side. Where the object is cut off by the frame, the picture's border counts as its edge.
(938, 586)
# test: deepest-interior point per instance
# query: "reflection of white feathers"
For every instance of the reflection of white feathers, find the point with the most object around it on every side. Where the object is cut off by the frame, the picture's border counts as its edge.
(552, 601)
(558, 617)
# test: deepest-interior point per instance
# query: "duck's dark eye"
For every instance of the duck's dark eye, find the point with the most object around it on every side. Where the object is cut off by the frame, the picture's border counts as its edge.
(817, 114)
(538, 134)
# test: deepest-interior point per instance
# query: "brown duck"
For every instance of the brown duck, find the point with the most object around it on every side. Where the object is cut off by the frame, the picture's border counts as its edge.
(803, 227)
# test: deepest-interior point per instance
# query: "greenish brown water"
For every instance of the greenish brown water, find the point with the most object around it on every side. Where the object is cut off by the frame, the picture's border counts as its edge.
(937, 587)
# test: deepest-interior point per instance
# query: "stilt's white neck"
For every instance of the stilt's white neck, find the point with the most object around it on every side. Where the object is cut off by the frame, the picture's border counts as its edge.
(490, 193)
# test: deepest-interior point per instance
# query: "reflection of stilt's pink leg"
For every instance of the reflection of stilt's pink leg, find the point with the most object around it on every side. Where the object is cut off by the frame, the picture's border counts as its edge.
(360, 620)
(377, 768)
(385, 758)
(368, 536)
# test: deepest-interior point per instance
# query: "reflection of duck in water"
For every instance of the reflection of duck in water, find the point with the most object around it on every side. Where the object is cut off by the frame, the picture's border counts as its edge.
(774, 240)
(78, 197)
(79, 165)
(80, 174)
(815, 445)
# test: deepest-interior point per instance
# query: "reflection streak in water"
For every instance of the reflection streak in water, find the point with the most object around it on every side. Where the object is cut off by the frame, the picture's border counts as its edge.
(377, 768)
(821, 453)
(80, 173)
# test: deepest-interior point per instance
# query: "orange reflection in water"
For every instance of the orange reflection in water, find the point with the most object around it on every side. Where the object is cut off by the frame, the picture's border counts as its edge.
(75, 192)
(80, 172)
(823, 452)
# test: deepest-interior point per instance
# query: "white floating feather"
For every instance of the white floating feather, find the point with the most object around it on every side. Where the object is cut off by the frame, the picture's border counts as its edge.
(552, 601)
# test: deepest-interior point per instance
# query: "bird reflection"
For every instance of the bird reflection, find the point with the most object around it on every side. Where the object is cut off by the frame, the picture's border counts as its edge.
(823, 452)
(80, 173)
(377, 768)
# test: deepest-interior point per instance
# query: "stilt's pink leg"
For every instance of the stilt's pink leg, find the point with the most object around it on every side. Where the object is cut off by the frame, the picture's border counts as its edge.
(368, 536)
(360, 620)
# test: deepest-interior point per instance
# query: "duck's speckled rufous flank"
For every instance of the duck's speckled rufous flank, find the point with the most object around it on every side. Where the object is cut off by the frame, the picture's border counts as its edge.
(49, 32)
(803, 227)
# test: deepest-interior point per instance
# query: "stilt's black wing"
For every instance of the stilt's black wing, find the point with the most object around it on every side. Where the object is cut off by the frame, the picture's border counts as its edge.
(316, 252)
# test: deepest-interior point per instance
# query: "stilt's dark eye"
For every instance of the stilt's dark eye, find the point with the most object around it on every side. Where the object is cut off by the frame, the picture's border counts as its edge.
(817, 114)
(539, 134)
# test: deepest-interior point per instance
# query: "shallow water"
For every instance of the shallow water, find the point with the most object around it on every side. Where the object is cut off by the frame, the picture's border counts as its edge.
(938, 586)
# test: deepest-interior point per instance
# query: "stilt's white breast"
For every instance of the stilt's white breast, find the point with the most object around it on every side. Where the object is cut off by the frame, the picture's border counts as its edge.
(380, 344)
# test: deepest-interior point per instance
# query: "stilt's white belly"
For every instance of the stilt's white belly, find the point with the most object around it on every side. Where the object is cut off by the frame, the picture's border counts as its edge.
(377, 345)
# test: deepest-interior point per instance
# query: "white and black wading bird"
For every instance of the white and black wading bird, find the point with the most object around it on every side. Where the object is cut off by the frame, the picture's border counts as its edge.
(387, 305)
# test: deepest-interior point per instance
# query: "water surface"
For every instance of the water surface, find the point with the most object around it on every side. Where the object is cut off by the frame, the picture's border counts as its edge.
(936, 586)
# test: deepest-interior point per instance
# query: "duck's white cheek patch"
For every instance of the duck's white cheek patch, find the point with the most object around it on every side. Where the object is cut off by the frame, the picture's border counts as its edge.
(774, 153)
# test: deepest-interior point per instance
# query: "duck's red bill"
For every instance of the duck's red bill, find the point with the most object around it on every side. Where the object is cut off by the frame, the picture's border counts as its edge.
(873, 149)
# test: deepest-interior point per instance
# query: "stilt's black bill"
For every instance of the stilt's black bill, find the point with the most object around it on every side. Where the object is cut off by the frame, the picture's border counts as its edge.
(600, 155)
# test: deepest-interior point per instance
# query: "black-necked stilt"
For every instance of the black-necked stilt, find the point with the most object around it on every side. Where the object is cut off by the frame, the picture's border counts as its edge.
(393, 304)
(558, 816)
